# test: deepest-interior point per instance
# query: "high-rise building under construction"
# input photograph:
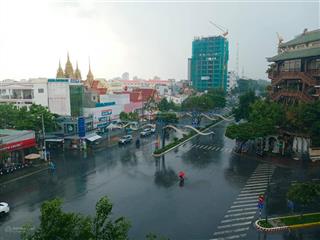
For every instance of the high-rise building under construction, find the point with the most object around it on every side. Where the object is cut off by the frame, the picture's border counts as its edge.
(209, 63)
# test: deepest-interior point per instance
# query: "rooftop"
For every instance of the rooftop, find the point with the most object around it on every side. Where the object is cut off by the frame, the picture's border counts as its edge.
(305, 37)
(303, 53)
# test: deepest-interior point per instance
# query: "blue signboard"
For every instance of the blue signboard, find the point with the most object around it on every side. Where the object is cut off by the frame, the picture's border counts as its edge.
(82, 127)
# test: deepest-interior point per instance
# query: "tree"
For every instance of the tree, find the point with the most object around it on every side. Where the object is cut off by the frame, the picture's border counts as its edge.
(245, 100)
(131, 116)
(27, 118)
(167, 117)
(123, 116)
(304, 194)
(163, 105)
(264, 118)
(56, 224)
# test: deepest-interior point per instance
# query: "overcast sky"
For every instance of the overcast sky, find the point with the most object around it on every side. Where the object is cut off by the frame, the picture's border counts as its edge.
(145, 38)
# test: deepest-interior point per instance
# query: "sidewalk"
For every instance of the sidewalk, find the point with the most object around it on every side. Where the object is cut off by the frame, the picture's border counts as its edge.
(276, 160)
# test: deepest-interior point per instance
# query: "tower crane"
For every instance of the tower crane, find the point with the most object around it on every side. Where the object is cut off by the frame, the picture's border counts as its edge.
(224, 31)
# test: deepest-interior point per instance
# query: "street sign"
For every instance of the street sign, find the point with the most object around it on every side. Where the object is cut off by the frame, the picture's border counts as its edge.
(82, 127)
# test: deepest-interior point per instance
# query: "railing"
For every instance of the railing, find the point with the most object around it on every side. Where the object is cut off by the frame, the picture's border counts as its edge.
(291, 93)
(306, 77)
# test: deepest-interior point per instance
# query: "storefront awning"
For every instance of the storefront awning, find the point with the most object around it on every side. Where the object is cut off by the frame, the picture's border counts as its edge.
(54, 140)
(92, 138)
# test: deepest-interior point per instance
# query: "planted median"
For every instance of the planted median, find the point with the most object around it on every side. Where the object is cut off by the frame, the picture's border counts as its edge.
(289, 222)
(180, 141)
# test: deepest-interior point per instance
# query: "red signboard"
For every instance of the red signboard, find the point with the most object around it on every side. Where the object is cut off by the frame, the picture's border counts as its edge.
(18, 145)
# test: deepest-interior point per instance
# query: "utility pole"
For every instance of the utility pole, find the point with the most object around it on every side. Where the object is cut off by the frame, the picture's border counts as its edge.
(268, 193)
(44, 139)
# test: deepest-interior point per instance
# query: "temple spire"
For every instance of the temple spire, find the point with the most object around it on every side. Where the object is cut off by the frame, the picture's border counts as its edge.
(90, 77)
(68, 72)
(77, 73)
(60, 73)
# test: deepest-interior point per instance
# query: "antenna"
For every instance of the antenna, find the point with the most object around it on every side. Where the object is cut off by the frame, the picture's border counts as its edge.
(237, 60)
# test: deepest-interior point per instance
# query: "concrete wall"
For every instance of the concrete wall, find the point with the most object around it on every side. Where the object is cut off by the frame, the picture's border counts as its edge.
(59, 98)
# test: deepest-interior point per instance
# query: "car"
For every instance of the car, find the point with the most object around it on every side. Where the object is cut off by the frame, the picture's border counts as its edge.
(146, 132)
(4, 208)
(125, 139)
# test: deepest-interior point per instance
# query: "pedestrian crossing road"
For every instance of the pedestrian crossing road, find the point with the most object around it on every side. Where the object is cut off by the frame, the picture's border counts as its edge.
(242, 213)
(212, 148)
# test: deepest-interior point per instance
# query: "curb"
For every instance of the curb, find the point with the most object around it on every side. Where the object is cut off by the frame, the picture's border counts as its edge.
(273, 229)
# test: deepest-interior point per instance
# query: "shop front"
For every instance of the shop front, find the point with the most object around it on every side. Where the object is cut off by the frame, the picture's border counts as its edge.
(14, 145)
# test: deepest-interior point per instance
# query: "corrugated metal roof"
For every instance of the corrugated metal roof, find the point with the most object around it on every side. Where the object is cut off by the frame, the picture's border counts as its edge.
(303, 38)
(303, 53)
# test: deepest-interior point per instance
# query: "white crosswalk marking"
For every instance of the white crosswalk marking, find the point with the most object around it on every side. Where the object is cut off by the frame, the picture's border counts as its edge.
(234, 225)
(237, 219)
(244, 205)
(243, 211)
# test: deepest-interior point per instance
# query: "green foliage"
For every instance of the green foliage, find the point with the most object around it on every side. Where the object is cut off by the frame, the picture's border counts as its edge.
(165, 106)
(56, 224)
(304, 193)
(264, 118)
(245, 100)
(204, 102)
(27, 119)
(131, 116)
(167, 117)
(306, 118)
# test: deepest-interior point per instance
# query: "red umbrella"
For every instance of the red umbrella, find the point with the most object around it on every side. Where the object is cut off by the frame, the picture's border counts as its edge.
(181, 174)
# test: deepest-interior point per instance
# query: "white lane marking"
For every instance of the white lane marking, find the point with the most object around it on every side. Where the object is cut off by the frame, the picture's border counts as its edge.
(244, 198)
(250, 182)
(231, 237)
(254, 190)
(255, 184)
(245, 201)
(254, 187)
(218, 149)
(258, 178)
(242, 209)
(239, 214)
(231, 231)
(234, 225)
(237, 219)
(211, 147)
(244, 205)
(250, 194)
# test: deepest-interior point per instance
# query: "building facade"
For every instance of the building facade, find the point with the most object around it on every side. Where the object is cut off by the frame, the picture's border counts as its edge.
(209, 63)
(65, 96)
(295, 70)
(24, 93)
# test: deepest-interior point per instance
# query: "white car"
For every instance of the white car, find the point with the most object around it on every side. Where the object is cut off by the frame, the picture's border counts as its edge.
(125, 139)
(4, 207)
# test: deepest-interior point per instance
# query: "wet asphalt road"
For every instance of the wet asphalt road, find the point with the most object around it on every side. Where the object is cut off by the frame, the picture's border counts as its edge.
(146, 190)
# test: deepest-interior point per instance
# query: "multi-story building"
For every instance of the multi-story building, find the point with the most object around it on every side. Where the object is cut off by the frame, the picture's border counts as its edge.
(209, 63)
(232, 80)
(65, 96)
(24, 93)
(295, 70)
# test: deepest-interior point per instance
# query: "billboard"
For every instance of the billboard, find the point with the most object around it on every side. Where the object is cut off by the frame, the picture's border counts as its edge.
(82, 127)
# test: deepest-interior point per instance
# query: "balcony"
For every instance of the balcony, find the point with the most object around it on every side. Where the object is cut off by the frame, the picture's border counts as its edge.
(306, 77)
(289, 93)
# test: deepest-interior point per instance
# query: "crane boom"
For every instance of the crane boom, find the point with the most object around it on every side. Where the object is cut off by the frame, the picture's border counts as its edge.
(225, 32)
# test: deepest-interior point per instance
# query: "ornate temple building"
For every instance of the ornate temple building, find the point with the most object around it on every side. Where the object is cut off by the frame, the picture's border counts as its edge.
(295, 70)
(89, 83)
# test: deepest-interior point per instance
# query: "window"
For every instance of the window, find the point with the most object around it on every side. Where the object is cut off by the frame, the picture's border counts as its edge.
(40, 90)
